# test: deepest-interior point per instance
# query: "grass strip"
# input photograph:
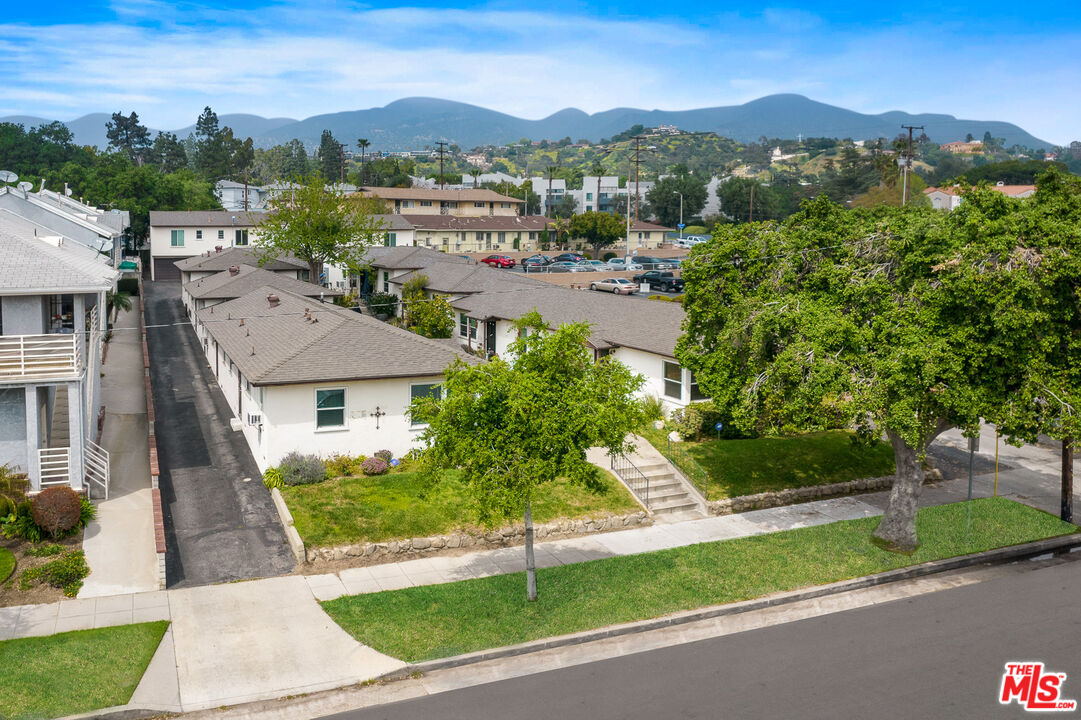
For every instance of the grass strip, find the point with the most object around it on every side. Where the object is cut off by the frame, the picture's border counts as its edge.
(423, 623)
(7, 564)
(75, 672)
(768, 464)
(403, 505)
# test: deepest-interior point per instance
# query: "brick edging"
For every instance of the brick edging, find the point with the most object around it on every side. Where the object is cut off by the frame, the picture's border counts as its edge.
(152, 442)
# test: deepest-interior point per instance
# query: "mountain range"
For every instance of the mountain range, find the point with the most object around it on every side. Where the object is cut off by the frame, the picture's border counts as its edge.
(413, 123)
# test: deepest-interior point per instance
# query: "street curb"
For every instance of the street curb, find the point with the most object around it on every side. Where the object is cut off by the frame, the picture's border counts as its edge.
(1063, 543)
(296, 544)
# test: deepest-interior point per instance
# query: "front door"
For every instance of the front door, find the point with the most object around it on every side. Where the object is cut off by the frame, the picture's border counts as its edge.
(489, 337)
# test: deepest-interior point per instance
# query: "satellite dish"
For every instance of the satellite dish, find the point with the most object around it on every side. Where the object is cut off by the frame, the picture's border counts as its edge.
(7, 176)
(25, 186)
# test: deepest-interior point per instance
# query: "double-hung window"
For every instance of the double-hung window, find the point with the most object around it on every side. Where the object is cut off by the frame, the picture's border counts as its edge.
(463, 325)
(221, 234)
(421, 390)
(330, 408)
(386, 281)
(240, 238)
(472, 328)
(176, 238)
(198, 234)
(390, 240)
(696, 394)
(673, 380)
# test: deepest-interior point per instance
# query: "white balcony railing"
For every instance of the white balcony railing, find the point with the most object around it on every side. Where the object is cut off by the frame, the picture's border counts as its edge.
(40, 357)
(54, 467)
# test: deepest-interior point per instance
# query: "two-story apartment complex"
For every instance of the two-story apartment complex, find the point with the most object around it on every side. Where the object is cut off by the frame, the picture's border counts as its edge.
(460, 203)
(175, 235)
(52, 326)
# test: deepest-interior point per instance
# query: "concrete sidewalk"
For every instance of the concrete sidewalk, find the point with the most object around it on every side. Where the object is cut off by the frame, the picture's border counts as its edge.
(269, 638)
(119, 543)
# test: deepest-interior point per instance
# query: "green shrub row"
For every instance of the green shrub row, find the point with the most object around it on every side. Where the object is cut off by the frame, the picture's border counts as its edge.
(66, 572)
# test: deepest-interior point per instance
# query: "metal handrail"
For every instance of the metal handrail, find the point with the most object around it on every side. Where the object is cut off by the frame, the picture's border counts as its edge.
(690, 467)
(32, 357)
(635, 479)
(96, 465)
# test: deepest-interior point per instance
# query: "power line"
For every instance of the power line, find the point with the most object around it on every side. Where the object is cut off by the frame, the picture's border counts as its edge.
(908, 161)
(442, 148)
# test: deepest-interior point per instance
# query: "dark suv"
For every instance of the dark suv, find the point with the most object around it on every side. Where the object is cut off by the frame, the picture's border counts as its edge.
(654, 263)
(660, 279)
(569, 257)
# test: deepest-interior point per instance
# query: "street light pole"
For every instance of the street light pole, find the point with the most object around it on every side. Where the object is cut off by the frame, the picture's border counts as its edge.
(680, 214)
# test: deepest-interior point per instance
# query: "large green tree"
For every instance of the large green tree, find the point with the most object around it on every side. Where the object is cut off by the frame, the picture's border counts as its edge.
(599, 229)
(128, 135)
(897, 321)
(513, 425)
(664, 197)
(741, 205)
(331, 157)
(318, 225)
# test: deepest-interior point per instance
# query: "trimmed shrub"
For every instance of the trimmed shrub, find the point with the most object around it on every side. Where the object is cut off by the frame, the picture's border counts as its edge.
(374, 466)
(383, 303)
(57, 510)
(339, 465)
(385, 455)
(272, 478)
(608, 256)
(297, 469)
(699, 420)
(7, 506)
(66, 572)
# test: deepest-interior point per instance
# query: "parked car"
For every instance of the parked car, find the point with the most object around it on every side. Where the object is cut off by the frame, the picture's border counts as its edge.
(591, 265)
(570, 257)
(617, 286)
(565, 266)
(661, 280)
(536, 261)
(653, 263)
(624, 264)
(684, 242)
(502, 261)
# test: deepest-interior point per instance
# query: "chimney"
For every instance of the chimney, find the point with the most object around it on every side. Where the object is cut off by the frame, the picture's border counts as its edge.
(242, 322)
(273, 300)
(217, 248)
(234, 270)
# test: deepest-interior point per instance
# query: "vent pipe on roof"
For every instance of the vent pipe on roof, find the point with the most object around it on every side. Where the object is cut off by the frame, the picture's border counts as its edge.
(241, 322)
(234, 270)
(217, 248)
(252, 349)
(273, 300)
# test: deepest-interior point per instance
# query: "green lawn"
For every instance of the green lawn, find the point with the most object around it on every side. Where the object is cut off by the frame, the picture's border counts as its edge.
(401, 505)
(421, 623)
(745, 467)
(7, 564)
(74, 672)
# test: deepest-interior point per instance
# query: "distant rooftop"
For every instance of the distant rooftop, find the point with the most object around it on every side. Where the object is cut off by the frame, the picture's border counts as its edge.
(34, 260)
(225, 285)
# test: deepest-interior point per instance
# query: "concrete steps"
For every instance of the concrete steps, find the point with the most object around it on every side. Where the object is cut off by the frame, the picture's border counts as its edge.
(58, 433)
(667, 496)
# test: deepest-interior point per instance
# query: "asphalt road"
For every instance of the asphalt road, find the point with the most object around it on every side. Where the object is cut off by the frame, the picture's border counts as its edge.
(939, 655)
(218, 528)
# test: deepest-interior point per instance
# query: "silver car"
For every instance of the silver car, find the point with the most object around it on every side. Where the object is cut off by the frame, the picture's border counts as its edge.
(621, 264)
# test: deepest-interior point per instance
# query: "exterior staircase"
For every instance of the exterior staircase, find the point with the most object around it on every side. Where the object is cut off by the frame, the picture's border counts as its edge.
(667, 494)
(659, 486)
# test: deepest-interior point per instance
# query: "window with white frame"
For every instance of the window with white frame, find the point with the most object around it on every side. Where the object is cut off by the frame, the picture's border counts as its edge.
(198, 234)
(463, 325)
(221, 234)
(696, 394)
(240, 237)
(386, 281)
(176, 238)
(478, 204)
(673, 380)
(420, 390)
(390, 239)
(425, 203)
(330, 408)
(472, 328)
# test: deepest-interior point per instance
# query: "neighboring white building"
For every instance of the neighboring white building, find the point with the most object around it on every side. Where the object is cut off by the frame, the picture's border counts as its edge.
(52, 328)
(317, 378)
(549, 194)
(640, 333)
(100, 230)
(949, 198)
(179, 234)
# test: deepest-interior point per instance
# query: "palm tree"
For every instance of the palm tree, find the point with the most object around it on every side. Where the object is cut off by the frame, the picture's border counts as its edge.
(363, 144)
(115, 302)
(597, 169)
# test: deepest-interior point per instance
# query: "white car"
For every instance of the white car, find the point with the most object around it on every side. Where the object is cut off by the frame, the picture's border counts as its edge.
(684, 243)
(624, 264)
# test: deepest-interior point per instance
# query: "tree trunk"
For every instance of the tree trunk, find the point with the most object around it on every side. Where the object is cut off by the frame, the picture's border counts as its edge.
(530, 562)
(1067, 480)
(897, 531)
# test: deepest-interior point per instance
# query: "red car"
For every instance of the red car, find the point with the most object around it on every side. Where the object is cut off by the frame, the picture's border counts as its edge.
(501, 261)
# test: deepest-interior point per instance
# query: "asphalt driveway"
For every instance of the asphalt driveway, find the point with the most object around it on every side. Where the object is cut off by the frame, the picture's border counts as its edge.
(220, 523)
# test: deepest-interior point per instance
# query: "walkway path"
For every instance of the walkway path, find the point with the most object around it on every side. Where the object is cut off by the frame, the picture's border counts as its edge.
(119, 543)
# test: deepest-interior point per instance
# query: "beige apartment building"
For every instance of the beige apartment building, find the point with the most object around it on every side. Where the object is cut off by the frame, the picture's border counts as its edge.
(458, 203)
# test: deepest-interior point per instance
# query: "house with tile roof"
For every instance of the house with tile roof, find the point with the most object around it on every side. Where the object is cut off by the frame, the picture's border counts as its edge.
(317, 378)
(239, 280)
(52, 329)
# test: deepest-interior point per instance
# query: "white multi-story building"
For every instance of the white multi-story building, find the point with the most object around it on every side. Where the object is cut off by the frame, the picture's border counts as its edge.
(176, 235)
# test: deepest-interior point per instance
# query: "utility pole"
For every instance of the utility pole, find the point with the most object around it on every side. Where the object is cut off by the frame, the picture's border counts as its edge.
(341, 154)
(442, 147)
(548, 201)
(245, 189)
(908, 161)
(637, 148)
(1067, 480)
(750, 214)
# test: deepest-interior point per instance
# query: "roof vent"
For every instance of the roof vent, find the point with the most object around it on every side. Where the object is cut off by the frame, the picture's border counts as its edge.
(217, 248)
(273, 300)
(241, 322)
(999, 184)
(234, 270)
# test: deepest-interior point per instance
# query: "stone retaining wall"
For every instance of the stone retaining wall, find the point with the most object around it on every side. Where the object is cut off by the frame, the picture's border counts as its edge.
(764, 500)
(401, 549)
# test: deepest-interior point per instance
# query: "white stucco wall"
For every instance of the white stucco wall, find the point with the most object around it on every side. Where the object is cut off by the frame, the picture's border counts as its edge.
(651, 366)
(161, 240)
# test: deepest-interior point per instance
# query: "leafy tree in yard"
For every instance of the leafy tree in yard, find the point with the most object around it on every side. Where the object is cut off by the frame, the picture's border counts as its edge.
(512, 426)
(431, 317)
(565, 207)
(599, 229)
(318, 225)
(899, 321)
(129, 136)
(735, 198)
(664, 200)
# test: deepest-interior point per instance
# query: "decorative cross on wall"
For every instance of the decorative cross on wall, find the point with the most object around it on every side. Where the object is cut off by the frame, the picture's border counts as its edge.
(377, 414)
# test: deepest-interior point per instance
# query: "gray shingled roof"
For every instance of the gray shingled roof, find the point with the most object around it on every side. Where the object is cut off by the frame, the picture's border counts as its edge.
(31, 264)
(280, 346)
(218, 261)
(470, 278)
(224, 286)
(205, 218)
(409, 257)
(650, 325)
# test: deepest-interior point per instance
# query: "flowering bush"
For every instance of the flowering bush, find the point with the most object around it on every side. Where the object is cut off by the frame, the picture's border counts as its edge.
(374, 466)
(385, 455)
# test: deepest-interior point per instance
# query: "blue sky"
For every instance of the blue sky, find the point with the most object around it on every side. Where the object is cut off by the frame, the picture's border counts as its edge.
(989, 61)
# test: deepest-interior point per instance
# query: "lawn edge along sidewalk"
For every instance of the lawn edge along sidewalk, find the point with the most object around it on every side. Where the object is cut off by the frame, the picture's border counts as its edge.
(1003, 555)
